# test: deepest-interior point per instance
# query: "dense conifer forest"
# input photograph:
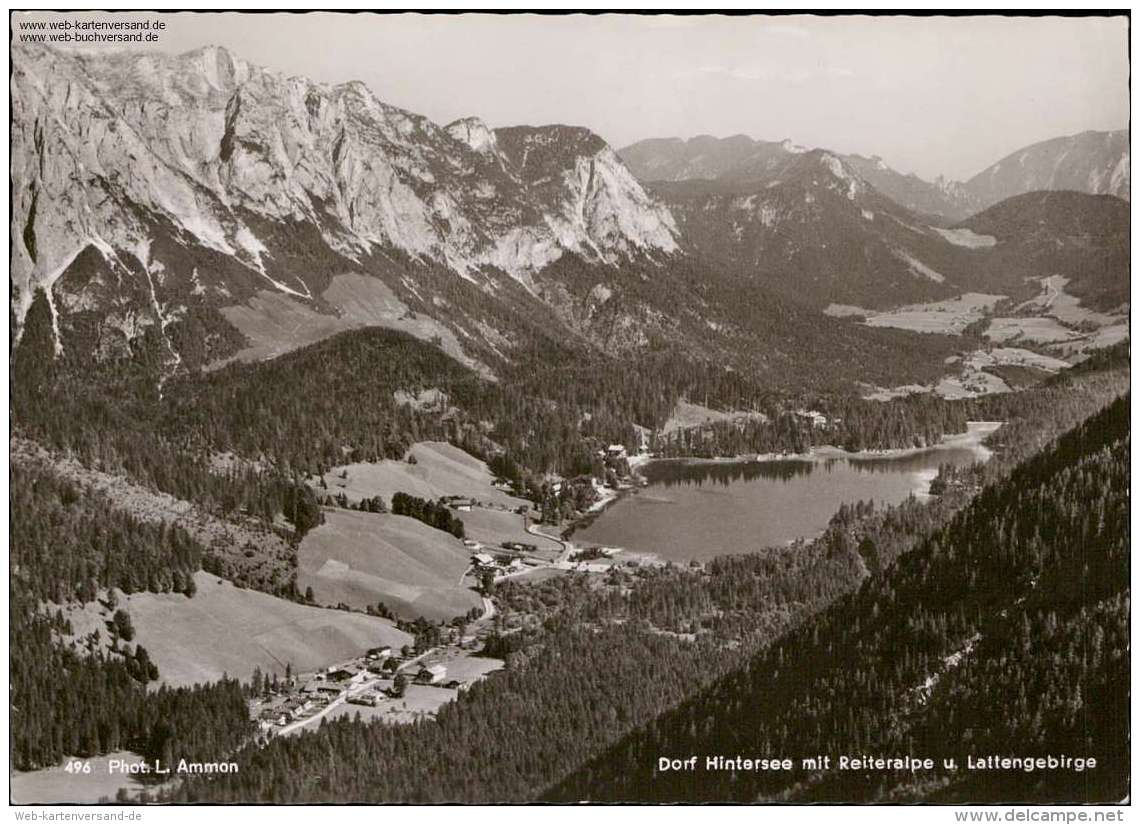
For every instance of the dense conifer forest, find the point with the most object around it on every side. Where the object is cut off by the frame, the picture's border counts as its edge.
(72, 545)
(432, 513)
(851, 424)
(75, 697)
(336, 402)
(1004, 633)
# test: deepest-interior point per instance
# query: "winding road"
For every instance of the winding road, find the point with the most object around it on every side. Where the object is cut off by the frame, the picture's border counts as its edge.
(567, 546)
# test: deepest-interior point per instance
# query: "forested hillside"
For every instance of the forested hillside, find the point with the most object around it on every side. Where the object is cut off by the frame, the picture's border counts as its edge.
(1004, 633)
(1083, 237)
(592, 658)
(850, 423)
(73, 697)
(339, 400)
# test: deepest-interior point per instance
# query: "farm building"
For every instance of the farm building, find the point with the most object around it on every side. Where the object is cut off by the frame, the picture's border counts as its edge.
(322, 688)
(431, 674)
(273, 716)
(295, 708)
(350, 674)
(370, 698)
(484, 559)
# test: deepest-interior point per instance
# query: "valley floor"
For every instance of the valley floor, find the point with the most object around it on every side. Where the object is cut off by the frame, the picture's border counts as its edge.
(1023, 342)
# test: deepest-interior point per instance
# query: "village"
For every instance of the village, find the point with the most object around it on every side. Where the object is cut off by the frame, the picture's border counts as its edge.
(403, 685)
(395, 686)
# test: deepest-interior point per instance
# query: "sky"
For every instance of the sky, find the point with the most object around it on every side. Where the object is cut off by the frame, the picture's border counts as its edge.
(934, 96)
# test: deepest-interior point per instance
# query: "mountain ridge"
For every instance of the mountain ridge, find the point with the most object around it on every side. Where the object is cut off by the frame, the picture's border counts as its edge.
(202, 209)
(1092, 162)
(213, 149)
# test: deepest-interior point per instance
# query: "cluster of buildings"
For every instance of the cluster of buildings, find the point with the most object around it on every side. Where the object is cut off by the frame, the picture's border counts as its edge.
(292, 709)
(510, 561)
(498, 564)
(326, 687)
(349, 681)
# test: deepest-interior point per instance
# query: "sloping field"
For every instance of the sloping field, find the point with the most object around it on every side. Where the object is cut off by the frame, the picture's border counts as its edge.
(1080, 349)
(495, 526)
(967, 238)
(847, 311)
(688, 414)
(225, 629)
(276, 323)
(1015, 356)
(1097, 329)
(972, 378)
(364, 558)
(440, 470)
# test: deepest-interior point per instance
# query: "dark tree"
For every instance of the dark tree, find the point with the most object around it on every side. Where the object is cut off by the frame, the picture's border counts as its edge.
(121, 623)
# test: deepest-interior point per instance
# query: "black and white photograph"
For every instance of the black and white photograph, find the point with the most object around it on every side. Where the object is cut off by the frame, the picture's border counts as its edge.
(505, 408)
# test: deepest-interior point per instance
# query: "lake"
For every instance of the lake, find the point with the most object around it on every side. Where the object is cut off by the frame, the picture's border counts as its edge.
(693, 509)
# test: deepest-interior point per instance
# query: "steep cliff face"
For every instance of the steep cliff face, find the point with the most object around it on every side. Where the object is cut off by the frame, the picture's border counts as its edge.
(142, 158)
(588, 199)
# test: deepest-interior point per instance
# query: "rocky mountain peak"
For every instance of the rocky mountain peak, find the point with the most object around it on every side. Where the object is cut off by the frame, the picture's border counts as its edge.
(216, 67)
(475, 134)
(228, 157)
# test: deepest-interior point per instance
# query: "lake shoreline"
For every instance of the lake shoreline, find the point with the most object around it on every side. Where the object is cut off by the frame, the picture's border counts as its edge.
(973, 439)
(975, 434)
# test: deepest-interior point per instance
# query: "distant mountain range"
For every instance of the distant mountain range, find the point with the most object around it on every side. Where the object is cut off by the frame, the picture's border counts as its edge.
(1097, 163)
(811, 227)
(215, 210)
